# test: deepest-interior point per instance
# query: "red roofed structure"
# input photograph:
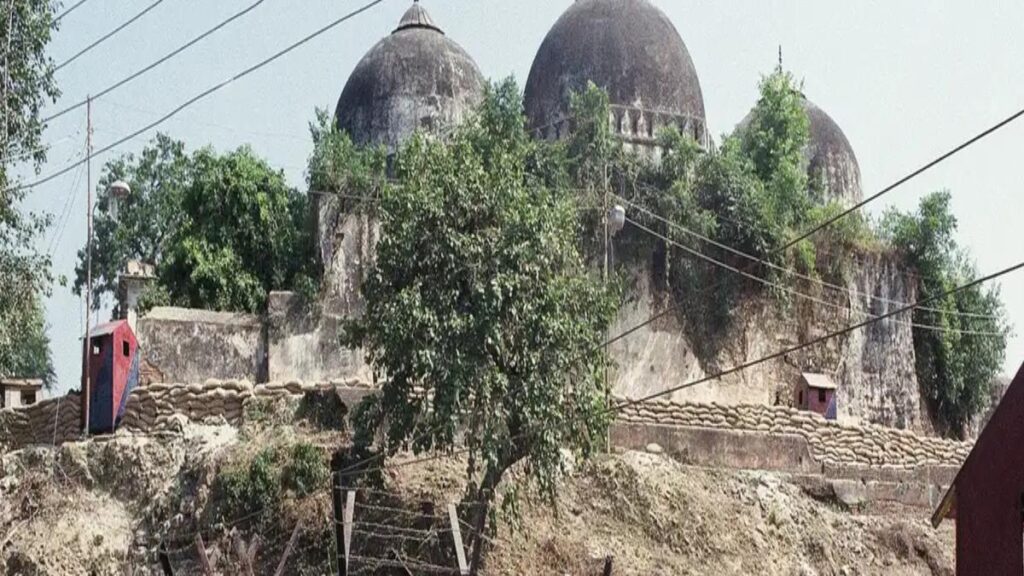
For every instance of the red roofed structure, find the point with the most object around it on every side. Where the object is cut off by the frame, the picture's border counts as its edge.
(987, 496)
(113, 374)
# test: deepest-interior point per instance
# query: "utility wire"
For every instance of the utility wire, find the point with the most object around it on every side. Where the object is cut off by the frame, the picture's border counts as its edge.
(61, 16)
(797, 293)
(820, 339)
(790, 271)
(207, 92)
(106, 36)
(156, 63)
(980, 136)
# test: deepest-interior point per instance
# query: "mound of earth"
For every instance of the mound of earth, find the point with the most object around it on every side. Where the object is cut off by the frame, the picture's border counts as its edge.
(101, 506)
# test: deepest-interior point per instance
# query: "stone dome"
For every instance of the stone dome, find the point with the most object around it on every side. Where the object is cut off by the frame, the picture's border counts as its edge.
(415, 78)
(631, 49)
(829, 156)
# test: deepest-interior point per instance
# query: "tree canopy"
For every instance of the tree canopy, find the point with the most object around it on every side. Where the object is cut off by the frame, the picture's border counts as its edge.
(25, 277)
(223, 230)
(480, 309)
(956, 367)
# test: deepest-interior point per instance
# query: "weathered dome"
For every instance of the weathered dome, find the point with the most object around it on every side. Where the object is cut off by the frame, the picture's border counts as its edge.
(632, 50)
(829, 156)
(415, 78)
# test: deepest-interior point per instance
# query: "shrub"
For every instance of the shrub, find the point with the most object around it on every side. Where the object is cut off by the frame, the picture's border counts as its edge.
(252, 489)
(306, 471)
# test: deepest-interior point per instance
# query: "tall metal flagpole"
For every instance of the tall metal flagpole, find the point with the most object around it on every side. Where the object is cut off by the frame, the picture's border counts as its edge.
(87, 377)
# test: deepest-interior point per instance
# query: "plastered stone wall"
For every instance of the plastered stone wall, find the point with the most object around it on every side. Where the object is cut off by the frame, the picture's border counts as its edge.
(186, 345)
(303, 338)
(873, 367)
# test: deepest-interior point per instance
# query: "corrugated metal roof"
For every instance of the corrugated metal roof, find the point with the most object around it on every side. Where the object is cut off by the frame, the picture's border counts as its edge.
(818, 381)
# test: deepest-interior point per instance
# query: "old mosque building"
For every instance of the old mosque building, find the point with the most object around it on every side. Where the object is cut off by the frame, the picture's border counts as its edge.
(418, 78)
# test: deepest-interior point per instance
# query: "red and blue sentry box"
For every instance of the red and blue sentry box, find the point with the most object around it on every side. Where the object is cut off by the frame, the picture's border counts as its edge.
(114, 373)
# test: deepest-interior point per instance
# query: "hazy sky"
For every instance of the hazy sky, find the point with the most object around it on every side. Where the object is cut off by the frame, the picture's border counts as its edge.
(905, 80)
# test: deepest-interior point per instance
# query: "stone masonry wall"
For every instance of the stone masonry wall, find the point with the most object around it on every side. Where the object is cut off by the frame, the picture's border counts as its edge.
(873, 367)
(185, 345)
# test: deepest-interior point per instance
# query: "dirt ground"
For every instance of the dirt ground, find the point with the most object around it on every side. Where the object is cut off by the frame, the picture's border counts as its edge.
(654, 516)
(88, 514)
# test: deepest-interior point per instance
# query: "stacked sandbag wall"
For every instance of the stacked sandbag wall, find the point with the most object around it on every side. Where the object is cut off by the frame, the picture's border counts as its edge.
(831, 443)
(51, 421)
(159, 408)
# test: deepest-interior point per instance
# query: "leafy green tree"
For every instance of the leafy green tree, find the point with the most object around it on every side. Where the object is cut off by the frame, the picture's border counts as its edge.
(956, 366)
(158, 178)
(26, 84)
(773, 141)
(243, 233)
(223, 230)
(480, 310)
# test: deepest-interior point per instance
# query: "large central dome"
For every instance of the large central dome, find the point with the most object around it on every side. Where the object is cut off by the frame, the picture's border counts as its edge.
(415, 78)
(632, 50)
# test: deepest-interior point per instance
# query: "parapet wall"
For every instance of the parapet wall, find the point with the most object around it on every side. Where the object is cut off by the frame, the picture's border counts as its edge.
(830, 443)
(185, 345)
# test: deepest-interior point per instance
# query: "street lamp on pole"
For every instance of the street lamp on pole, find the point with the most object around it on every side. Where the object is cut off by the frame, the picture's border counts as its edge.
(118, 191)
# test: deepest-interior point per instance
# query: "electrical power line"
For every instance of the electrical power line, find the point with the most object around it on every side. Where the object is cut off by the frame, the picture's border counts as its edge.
(820, 339)
(956, 150)
(65, 214)
(206, 93)
(790, 271)
(797, 293)
(61, 16)
(157, 62)
(107, 36)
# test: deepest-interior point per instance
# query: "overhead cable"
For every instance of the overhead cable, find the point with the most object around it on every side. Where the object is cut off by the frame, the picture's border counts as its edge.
(820, 339)
(739, 368)
(157, 62)
(797, 293)
(107, 36)
(206, 93)
(61, 16)
(790, 271)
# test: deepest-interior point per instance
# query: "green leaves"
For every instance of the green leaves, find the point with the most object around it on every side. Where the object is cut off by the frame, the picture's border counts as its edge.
(480, 310)
(25, 277)
(222, 229)
(957, 366)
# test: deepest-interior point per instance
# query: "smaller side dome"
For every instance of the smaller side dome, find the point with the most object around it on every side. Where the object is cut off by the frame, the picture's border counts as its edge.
(416, 78)
(829, 156)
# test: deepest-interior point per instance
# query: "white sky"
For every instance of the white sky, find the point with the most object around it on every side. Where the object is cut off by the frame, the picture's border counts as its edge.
(905, 80)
